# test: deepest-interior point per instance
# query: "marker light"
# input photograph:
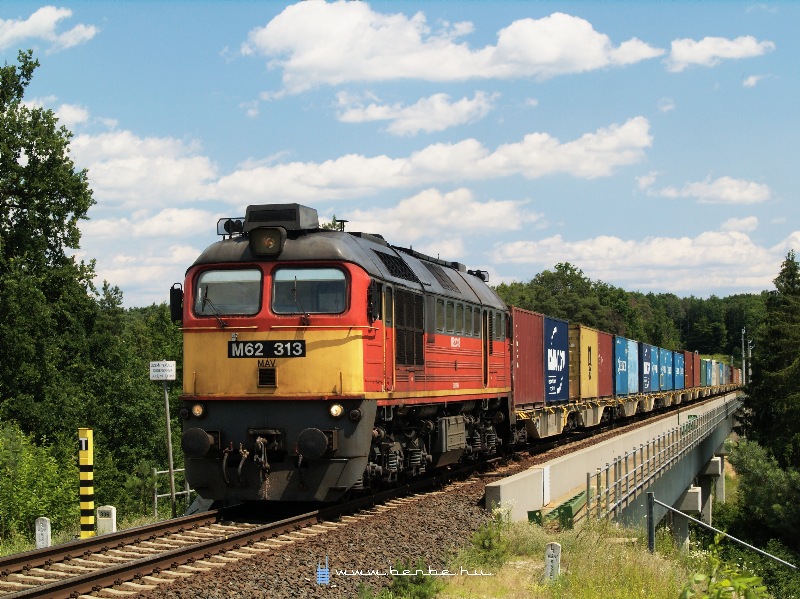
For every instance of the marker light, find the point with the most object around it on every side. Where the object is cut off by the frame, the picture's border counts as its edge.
(336, 410)
(198, 410)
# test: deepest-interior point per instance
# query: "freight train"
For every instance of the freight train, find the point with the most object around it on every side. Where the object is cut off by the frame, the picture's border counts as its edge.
(319, 362)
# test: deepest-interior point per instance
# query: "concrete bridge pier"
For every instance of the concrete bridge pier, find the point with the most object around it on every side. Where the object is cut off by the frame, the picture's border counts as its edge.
(690, 502)
(708, 478)
(719, 489)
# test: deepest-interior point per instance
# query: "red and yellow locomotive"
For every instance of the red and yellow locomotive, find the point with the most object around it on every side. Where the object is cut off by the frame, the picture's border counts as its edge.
(319, 361)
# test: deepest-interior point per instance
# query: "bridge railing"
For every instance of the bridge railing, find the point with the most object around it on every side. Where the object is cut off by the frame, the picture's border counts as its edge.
(609, 490)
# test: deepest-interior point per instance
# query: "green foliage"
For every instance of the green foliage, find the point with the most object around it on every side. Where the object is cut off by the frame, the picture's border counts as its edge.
(767, 495)
(720, 579)
(34, 481)
(491, 543)
(773, 403)
(42, 195)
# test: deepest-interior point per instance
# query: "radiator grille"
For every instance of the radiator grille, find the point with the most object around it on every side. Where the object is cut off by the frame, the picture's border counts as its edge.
(267, 377)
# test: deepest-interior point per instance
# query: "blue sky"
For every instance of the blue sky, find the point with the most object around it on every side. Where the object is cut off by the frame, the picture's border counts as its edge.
(651, 144)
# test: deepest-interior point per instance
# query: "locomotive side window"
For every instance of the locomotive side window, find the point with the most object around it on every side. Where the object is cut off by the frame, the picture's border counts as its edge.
(228, 292)
(309, 291)
(451, 316)
(459, 319)
(499, 329)
(476, 322)
(468, 321)
(388, 305)
(440, 315)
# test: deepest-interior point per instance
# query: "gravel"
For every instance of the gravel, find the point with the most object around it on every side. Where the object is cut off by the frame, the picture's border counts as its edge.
(428, 531)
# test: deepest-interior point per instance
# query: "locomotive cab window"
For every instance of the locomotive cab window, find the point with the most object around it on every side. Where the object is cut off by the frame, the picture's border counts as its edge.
(309, 291)
(228, 292)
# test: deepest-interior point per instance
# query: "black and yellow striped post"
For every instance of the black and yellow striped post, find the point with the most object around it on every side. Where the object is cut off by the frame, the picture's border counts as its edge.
(86, 466)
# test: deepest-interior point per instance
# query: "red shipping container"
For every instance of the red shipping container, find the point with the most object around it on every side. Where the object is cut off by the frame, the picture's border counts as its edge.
(688, 370)
(605, 364)
(697, 373)
(528, 357)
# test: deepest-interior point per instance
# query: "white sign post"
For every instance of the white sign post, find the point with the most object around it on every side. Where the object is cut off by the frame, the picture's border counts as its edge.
(165, 371)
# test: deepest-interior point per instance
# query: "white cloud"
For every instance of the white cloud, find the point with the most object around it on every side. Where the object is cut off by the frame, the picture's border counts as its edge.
(426, 215)
(592, 155)
(666, 104)
(724, 190)
(318, 43)
(434, 113)
(70, 115)
(727, 259)
(170, 222)
(130, 170)
(745, 225)
(42, 24)
(710, 51)
(646, 181)
(752, 80)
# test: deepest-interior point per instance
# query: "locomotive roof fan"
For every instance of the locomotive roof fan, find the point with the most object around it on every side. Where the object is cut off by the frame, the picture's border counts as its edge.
(266, 225)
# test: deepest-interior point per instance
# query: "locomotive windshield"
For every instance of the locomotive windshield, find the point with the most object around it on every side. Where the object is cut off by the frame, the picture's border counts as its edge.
(228, 292)
(309, 291)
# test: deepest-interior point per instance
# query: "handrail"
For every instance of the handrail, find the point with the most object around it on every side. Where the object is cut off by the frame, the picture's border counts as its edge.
(651, 529)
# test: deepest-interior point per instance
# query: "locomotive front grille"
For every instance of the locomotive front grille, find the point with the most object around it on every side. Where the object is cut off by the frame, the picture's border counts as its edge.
(267, 377)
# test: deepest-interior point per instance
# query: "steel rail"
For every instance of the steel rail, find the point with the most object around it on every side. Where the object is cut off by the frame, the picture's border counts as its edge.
(17, 562)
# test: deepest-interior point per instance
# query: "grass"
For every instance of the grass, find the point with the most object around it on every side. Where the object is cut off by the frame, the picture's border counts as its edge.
(598, 560)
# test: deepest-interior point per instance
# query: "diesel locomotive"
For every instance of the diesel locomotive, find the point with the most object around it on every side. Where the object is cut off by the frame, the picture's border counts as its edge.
(318, 361)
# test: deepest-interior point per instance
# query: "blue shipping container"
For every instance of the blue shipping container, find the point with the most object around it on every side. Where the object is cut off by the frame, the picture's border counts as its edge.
(665, 370)
(648, 378)
(626, 366)
(680, 371)
(556, 369)
(620, 366)
(633, 366)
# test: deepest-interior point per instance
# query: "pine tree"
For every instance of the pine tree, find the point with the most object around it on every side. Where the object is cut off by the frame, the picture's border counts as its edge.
(773, 403)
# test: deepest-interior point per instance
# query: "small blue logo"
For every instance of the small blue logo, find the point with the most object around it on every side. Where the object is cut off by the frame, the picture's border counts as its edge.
(323, 573)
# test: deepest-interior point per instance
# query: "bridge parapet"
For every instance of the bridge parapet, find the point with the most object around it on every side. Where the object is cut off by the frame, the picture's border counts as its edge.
(615, 490)
(682, 443)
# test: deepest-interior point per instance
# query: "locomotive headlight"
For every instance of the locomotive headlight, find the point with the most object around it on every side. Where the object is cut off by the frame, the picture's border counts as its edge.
(198, 410)
(336, 410)
(267, 241)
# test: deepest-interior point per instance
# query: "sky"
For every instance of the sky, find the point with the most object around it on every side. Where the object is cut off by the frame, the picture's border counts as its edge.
(650, 144)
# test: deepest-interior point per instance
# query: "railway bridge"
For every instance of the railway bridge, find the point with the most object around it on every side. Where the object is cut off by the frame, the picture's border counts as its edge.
(679, 457)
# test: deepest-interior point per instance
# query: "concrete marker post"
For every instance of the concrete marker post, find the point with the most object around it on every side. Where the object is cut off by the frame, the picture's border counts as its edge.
(552, 561)
(43, 536)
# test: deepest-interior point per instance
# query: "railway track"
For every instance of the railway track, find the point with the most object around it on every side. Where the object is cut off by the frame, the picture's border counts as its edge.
(141, 559)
